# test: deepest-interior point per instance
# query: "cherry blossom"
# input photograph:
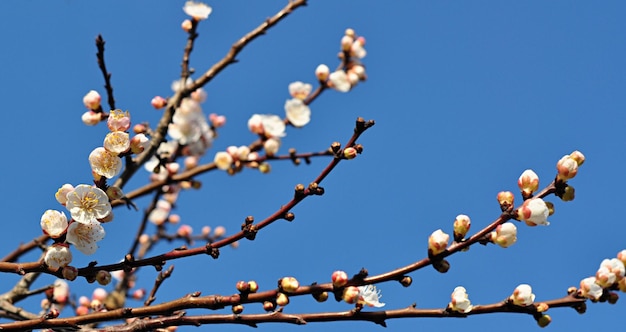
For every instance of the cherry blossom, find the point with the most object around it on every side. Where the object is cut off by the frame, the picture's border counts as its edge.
(339, 81)
(54, 223)
(117, 142)
(298, 113)
(223, 160)
(528, 182)
(58, 255)
(92, 100)
(105, 163)
(505, 235)
(438, 242)
(198, 10)
(300, 90)
(86, 203)
(460, 300)
(534, 212)
(61, 194)
(321, 72)
(85, 235)
(267, 124)
(567, 167)
(91, 118)
(118, 120)
(369, 296)
(590, 289)
(523, 295)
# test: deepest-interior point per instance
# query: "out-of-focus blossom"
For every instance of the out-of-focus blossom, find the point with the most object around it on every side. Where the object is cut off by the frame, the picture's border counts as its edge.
(85, 235)
(321, 72)
(298, 113)
(139, 143)
(92, 100)
(267, 124)
(86, 203)
(505, 235)
(223, 160)
(105, 163)
(118, 120)
(198, 10)
(357, 48)
(271, 145)
(54, 223)
(217, 120)
(58, 255)
(91, 118)
(460, 300)
(438, 242)
(338, 80)
(534, 212)
(523, 295)
(158, 102)
(61, 291)
(300, 90)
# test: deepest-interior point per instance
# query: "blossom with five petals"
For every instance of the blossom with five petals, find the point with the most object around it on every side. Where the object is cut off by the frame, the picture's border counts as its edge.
(86, 203)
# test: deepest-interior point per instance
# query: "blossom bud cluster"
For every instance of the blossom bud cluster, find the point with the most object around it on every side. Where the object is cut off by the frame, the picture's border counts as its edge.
(345, 78)
(88, 207)
(234, 158)
(610, 275)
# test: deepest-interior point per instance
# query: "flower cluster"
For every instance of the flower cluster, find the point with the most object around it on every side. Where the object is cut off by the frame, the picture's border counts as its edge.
(88, 207)
(610, 275)
(352, 71)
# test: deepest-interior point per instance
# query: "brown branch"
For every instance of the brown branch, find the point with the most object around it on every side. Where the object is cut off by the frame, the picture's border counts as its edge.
(107, 76)
(157, 283)
(24, 248)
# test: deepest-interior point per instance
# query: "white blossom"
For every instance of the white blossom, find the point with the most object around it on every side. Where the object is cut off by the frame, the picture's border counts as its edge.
(298, 113)
(54, 223)
(370, 296)
(86, 202)
(57, 256)
(85, 235)
(460, 300)
(197, 10)
(339, 81)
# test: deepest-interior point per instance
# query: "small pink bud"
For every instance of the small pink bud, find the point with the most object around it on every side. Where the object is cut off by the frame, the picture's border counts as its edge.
(140, 128)
(174, 219)
(268, 306)
(566, 168)
(158, 102)
(206, 230)
(92, 100)
(346, 43)
(339, 278)
(91, 118)
(217, 120)
(184, 231)
(82, 310)
(139, 143)
(506, 198)
(54, 312)
(139, 294)
(83, 300)
(289, 284)
(242, 286)
(99, 294)
(219, 231)
(528, 182)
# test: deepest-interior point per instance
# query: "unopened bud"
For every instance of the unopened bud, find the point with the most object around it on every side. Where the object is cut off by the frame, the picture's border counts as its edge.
(568, 194)
(321, 72)
(339, 278)
(505, 199)
(350, 294)
(237, 309)
(70, 273)
(282, 299)
(103, 277)
(114, 193)
(253, 287)
(528, 182)
(406, 281)
(544, 320)
(461, 226)
(186, 25)
(289, 284)
(243, 286)
(268, 306)
(578, 156)
(320, 297)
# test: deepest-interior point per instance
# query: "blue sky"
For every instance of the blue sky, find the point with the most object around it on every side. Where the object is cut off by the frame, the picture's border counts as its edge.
(466, 96)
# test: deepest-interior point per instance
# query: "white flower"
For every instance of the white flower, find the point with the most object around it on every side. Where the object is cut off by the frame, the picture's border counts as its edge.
(87, 202)
(104, 162)
(61, 194)
(271, 146)
(438, 242)
(300, 90)
(369, 296)
(267, 124)
(197, 10)
(590, 289)
(223, 160)
(339, 81)
(505, 235)
(177, 85)
(61, 291)
(534, 212)
(57, 256)
(357, 49)
(91, 118)
(117, 142)
(523, 295)
(54, 223)
(298, 113)
(85, 235)
(460, 300)
(528, 182)
(610, 271)
(92, 100)
(321, 72)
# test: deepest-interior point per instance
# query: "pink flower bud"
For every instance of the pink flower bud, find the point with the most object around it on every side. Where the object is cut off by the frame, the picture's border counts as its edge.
(61, 291)
(339, 278)
(186, 25)
(158, 102)
(438, 242)
(92, 100)
(91, 118)
(566, 168)
(139, 294)
(217, 120)
(184, 231)
(82, 310)
(522, 295)
(139, 143)
(505, 235)
(528, 182)
(349, 153)
(99, 294)
(219, 231)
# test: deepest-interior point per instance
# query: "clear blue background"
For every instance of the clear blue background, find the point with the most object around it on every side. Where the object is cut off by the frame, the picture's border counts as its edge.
(466, 96)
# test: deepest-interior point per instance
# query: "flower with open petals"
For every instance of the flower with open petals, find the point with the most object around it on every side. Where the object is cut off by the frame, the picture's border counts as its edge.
(85, 235)
(87, 203)
(438, 242)
(118, 120)
(267, 124)
(369, 296)
(198, 10)
(54, 223)
(339, 81)
(298, 113)
(534, 212)
(223, 160)
(58, 255)
(117, 142)
(523, 295)
(300, 90)
(105, 163)
(460, 300)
